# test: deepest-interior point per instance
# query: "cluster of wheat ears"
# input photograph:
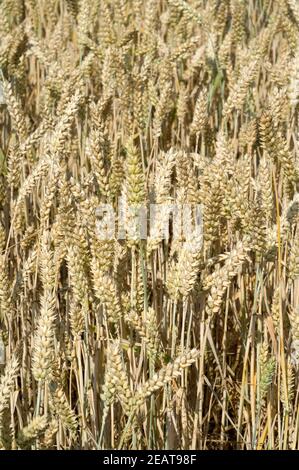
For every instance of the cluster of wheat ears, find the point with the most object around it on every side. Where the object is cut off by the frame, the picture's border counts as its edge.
(153, 343)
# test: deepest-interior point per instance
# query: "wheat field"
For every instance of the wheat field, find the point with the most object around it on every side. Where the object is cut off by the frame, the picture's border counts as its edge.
(154, 342)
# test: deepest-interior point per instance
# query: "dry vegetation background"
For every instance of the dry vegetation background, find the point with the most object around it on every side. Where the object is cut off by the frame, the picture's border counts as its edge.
(149, 344)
